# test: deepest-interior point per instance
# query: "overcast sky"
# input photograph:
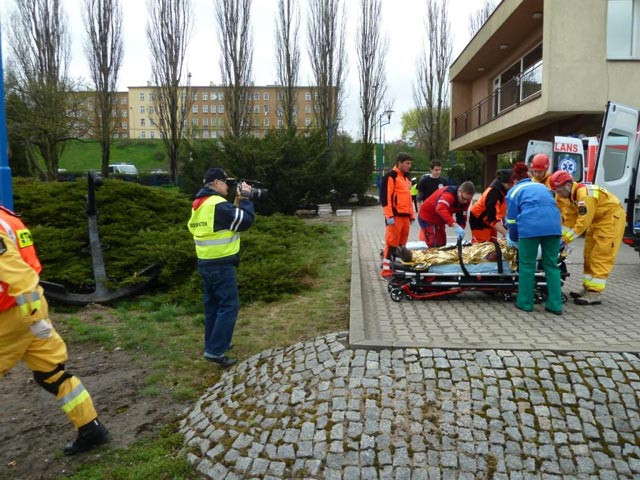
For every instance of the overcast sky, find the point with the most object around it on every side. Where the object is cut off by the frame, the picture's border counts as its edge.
(403, 22)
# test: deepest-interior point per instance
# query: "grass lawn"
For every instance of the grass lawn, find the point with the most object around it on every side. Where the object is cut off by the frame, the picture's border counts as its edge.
(178, 365)
(147, 155)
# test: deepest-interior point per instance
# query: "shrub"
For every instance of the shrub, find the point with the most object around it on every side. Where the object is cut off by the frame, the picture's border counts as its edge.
(140, 226)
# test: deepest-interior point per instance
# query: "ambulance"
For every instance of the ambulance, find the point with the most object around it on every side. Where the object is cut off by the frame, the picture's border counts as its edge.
(572, 154)
(617, 168)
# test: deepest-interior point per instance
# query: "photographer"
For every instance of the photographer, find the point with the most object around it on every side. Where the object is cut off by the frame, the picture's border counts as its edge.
(215, 224)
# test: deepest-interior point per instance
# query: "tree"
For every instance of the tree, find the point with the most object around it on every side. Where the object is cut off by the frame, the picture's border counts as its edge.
(236, 62)
(431, 89)
(103, 24)
(371, 50)
(288, 57)
(326, 37)
(168, 31)
(40, 83)
(480, 16)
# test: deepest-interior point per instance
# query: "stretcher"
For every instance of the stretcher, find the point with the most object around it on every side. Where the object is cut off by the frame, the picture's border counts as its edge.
(496, 274)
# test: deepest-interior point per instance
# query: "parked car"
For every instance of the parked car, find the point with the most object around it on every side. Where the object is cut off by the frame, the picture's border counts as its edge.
(123, 168)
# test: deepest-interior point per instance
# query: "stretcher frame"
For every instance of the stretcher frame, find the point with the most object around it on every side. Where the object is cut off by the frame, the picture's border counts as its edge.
(411, 284)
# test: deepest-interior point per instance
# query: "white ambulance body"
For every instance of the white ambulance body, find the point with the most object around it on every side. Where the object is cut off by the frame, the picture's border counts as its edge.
(572, 154)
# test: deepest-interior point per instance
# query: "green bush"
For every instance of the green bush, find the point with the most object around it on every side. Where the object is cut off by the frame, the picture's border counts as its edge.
(140, 226)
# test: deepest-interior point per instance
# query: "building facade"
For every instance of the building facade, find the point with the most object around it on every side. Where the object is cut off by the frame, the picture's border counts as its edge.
(539, 68)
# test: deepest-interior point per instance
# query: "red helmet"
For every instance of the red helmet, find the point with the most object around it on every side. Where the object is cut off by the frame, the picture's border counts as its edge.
(559, 178)
(540, 161)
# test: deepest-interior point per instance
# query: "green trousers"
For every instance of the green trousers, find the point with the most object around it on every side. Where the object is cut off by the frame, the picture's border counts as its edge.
(527, 253)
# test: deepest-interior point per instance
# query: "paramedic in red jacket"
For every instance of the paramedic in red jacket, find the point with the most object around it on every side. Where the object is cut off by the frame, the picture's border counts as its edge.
(439, 210)
(395, 196)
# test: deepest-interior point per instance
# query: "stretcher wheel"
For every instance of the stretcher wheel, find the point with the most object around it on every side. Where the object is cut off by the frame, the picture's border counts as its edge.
(396, 295)
(408, 297)
(389, 287)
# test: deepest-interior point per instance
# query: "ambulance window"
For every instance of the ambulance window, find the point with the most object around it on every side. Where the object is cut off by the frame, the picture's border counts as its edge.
(615, 156)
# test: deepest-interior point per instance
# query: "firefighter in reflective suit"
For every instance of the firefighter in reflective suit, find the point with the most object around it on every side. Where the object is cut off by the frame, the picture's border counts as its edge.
(599, 214)
(26, 333)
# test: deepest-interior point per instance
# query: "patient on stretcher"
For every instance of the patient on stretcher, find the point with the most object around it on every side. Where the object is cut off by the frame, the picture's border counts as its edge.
(482, 254)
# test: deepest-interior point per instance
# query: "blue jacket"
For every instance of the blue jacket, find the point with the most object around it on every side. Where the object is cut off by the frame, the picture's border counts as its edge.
(532, 211)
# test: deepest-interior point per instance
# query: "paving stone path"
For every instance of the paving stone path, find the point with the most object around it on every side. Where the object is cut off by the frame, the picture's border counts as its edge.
(321, 410)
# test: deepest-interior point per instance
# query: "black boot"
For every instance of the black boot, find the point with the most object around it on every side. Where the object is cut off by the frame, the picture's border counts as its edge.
(90, 436)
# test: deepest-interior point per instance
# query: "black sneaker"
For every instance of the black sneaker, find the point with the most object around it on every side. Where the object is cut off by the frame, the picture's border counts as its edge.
(90, 436)
(223, 361)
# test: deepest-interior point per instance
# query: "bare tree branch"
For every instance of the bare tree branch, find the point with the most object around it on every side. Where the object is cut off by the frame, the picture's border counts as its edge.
(288, 57)
(431, 89)
(236, 62)
(326, 37)
(169, 28)
(40, 49)
(371, 50)
(104, 50)
(477, 19)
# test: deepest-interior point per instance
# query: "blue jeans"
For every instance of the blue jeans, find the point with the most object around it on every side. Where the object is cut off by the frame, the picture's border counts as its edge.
(220, 307)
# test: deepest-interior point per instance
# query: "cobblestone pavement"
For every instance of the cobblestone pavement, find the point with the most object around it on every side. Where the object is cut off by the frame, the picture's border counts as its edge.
(331, 409)
(321, 410)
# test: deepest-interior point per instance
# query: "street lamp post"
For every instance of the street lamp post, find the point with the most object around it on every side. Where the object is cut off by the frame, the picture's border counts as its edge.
(381, 123)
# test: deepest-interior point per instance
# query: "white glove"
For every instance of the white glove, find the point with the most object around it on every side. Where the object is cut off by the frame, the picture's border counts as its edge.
(42, 329)
(459, 231)
(390, 221)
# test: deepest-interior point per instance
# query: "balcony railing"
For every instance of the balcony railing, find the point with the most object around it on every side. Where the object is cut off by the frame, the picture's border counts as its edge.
(520, 89)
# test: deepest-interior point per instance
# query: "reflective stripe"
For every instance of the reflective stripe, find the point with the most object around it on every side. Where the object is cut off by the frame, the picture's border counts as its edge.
(445, 202)
(237, 220)
(593, 283)
(513, 221)
(569, 234)
(9, 230)
(220, 241)
(21, 299)
(74, 398)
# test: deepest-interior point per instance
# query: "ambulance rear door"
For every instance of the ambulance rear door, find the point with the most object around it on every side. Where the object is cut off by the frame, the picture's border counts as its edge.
(568, 155)
(617, 165)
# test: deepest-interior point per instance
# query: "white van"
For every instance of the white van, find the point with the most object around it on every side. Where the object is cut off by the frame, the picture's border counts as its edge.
(123, 168)
(617, 167)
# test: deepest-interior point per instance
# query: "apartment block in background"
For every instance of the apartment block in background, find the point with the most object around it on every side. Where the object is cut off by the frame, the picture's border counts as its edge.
(539, 68)
(84, 124)
(207, 117)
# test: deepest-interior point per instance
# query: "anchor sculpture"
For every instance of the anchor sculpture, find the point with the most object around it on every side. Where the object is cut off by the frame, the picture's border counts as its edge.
(102, 293)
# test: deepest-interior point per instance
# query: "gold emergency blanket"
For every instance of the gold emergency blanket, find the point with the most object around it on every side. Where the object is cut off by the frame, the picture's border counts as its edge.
(476, 253)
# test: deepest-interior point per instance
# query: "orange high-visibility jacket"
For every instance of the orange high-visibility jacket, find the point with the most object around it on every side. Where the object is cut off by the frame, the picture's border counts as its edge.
(395, 195)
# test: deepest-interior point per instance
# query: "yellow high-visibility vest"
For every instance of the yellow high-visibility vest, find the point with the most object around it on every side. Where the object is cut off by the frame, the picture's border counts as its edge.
(209, 244)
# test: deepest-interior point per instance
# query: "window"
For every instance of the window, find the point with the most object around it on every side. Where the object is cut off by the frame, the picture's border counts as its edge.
(213, 96)
(115, 135)
(214, 121)
(214, 134)
(307, 122)
(151, 97)
(125, 125)
(194, 97)
(141, 108)
(141, 96)
(205, 108)
(265, 108)
(194, 108)
(220, 108)
(256, 122)
(196, 135)
(205, 134)
(307, 96)
(123, 101)
(150, 109)
(265, 96)
(220, 96)
(143, 134)
(205, 122)
(114, 113)
(279, 122)
(125, 135)
(205, 96)
(256, 96)
(194, 121)
(307, 109)
(623, 25)
(142, 122)
(615, 155)
(151, 122)
(152, 134)
(280, 96)
(256, 109)
(221, 122)
(266, 122)
(520, 81)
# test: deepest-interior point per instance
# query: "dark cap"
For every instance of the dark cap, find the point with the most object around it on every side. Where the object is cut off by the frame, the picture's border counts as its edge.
(214, 174)
(504, 175)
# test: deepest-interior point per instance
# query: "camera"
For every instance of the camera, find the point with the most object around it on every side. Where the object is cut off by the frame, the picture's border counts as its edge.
(257, 188)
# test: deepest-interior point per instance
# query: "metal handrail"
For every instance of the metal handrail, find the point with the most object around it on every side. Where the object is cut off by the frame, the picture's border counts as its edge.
(520, 89)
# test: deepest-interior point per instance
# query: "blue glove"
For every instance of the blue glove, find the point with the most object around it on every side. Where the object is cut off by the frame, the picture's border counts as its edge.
(511, 243)
(390, 221)
(459, 231)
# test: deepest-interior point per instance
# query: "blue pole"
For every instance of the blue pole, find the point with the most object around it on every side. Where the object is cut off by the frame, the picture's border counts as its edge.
(6, 189)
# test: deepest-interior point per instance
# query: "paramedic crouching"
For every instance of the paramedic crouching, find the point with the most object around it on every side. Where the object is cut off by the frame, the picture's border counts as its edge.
(215, 224)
